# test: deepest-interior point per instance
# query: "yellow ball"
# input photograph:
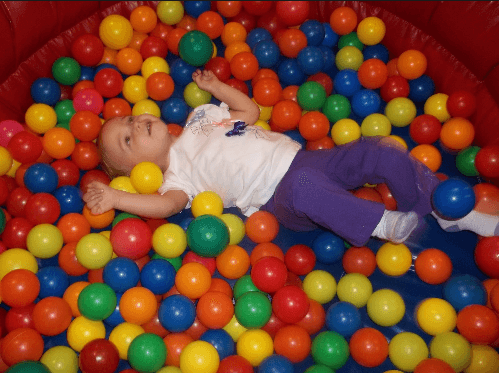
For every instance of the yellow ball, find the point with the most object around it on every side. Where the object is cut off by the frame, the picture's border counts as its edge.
(134, 89)
(393, 371)
(398, 141)
(60, 359)
(123, 335)
(40, 118)
(320, 286)
(169, 240)
(82, 331)
(115, 31)
(371, 30)
(436, 105)
(94, 251)
(349, 57)
(17, 259)
(169, 369)
(13, 168)
(385, 307)
(234, 329)
(44, 241)
(255, 345)
(153, 65)
(207, 202)
(6, 160)
(400, 111)
(344, 131)
(146, 177)
(484, 360)
(214, 54)
(393, 259)
(263, 124)
(436, 316)
(235, 226)
(376, 125)
(170, 12)
(146, 106)
(122, 183)
(194, 96)
(354, 288)
(407, 350)
(265, 111)
(453, 349)
(199, 356)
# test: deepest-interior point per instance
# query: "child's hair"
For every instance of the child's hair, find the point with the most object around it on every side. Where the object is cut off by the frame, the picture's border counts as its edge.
(105, 164)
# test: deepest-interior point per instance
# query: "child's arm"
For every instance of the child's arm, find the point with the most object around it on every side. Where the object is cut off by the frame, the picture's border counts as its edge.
(101, 198)
(240, 105)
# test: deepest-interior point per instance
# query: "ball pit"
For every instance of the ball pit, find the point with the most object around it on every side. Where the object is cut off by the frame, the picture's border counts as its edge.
(126, 27)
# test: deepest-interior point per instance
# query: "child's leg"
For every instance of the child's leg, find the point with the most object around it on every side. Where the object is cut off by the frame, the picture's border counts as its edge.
(483, 224)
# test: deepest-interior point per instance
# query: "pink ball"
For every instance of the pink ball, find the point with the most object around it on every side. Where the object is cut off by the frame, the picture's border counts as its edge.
(8, 128)
(88, 99)
(131, 238)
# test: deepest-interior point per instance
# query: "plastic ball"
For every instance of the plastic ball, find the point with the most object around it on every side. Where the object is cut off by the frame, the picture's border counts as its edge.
(233, 262)
(486, 161)
(147, 353)
(146, 177)
(336, 107)
(158, 276)
(421, 88)
(138, 305)
(94, 251)
(59, 143)
(349, 57)
(157, 49)
(463, 290)
(99, 354)
(60, 359)
(195, 96)
(465, 160)
(365, 102)
(21, 344)
(207, 235)
(343, 20)
(435, 316)
(400, 111)
(344, 131)
(412, 64)
(134, 89)
(41, 178)
(44, 241)
(394, 86)
(215, 309)
(108, 82)
(428, 155)
(310, 60)
(328, 248)
(20, 287)
(457, 133)
(143, 19)
(484, 359)
(320, 286)
(40, 118)
(122, 336)
(82, 331)
(254, 345)
(235, 226)
(199, 356)
(221, 340)
(343, 318)
(461, 104)
(407, 350)
(45, 91)
(330, 349)
(290, 304)
(15, 258)
(376, 125)
(372, 73)
(8, 128)
(253, 310)
(121, 274)
(433, 266)
(193, 280)
(436, 105)
(453, 198)
(292, 13)
(289, 73)
(354, 288)
(115, 31)
(368, 347)
(159, 86)
(432, 365)
(131, 238)
(478, 324)
(97, 301)
(394, 259)
(311, 96)
(453, 349)
(292, 342)
(195, 48)
(269, 274)
(385, 307)
(425, 129)
(169, 240)
(486, 256)
(66, 70)
(346, 82)
(371, 30)
(174, 110)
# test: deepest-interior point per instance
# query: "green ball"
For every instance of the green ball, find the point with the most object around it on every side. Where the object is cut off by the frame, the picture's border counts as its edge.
(121, 216)
(207, 236)
(196, 48)
(176, 262)
(331, 349)
(319, 369)
(97, 301)
(64, 110)
(465, 161)
(311, 96)
(28, 367)
(3, 220)
(351, 40)
(147, 353)
(253, 310)
(336, 107)
(66, 70)
(244, 285)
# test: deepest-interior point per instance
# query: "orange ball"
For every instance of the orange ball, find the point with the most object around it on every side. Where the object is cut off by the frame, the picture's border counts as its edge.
(137, 40)
(86, 155)
(262, 226)
(109, 56)
(291, 42)
(267, 91)
(412, 64)
(293, 342)
(232, 32)
(373, 73)
(215, 310)
(359, 260)
(187, 23)
(174, 37)
(129, 61)
(494, 298)
(143, 19)
(457, 133)
(234, 48)
(99, 221)
(244, 66)
(19, 288)
(392, 67)
(71, 295)
(229, 8)
(116, 107)
(428, 155)
(138, 305)
(489, 284)
(73, 226)
(264, 73)
(290, 93)
(233, 262)
(433, 266)
(368, 347)
(211, 23)
(159, 86)
(222, 286)
(266, 249)
(314, 126)
(175, 343)
(51, 316)
(20, 345)
(82, 84)
(343, 20)
(193, 280)
(196, 330)
(58, 142)
(286, 115)
(68, 262)
(314, 320)
(85, 125)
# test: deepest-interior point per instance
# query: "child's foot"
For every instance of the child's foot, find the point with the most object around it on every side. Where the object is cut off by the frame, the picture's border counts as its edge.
(482, 224)
(396, 226)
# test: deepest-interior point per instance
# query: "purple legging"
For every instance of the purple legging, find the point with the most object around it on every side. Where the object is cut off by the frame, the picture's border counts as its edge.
(315, 190)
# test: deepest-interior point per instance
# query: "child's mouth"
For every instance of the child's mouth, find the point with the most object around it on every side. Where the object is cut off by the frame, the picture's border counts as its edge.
(149, 128)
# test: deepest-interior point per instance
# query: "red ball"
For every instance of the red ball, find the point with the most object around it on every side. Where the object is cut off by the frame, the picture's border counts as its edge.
(116, 107)
(192, 257)
(273, 325)
(86, 156)
(461, 104)
(16, 203)
(88, 99)
(245, 19)
(372, 73)
(67, 172)
(235, 364)
(359, 260)
(324, 143)
(433, 365)
(478, 324)
(368, 347)
(369, 194)
(314, 126)
(25, 147)
(15, 233)
(20, 317)
(394, 86)
(269, 274)
(314, 320)
(486, 256)
(425, 129)
(131, 238)
(271, 22)
(324, 80)
(93, 175)
(20, 345)
(387, 197)
(19, 287)
(290, 304)
(99, 355)
(52, 316)
(160, 86)
(108, 82)
(42, 208)
(4, 191)
(261, 226)
(286, 115)
(238, 84)
(267, 91)
(87, 50)
(486, 161)
(153, 46)
(300, 259)
(292, 13)
(220, 67)
(244, 66)
(85, 125)
(433, 266)
(257, 8)
(293, 342)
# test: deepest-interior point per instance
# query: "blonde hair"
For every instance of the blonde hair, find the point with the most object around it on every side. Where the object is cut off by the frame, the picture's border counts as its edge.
(105, 163)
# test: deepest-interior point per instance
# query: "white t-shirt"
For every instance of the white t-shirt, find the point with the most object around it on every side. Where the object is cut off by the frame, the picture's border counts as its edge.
(244, 170)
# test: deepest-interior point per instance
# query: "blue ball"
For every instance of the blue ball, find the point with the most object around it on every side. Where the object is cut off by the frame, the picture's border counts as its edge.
(328, 58)
(87, 73)
(69, 198)
(331, 38)
(121, 274)
(176, 313)
(290, 73)
(276, 364)
(421, 88)
(106, 66)
(184, 224)
(256, 35)
(365, 102)
(346, 82)
(378, 51)
(267, 53)
(181, 72)
(53, 282)
(314, 31)
(158, 275)
(343, 318)
(463, 290)
(311, 60)
(295, 135)
(221, 340)
(41, 178)
(116, 317)
(453, 198)
(174, 110)
(328, 247)
(196, 8)
(45, 91)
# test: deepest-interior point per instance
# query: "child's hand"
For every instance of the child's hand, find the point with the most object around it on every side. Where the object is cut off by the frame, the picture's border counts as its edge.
(205, 80)
(99, 197)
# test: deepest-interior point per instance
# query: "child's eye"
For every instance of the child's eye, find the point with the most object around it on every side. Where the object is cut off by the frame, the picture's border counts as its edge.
(127, 140)
(130, 119)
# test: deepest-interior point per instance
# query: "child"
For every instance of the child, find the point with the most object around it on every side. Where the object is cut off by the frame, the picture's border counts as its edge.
(253, 169)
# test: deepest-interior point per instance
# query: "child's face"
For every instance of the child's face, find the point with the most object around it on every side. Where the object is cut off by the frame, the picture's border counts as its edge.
(127, 141)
